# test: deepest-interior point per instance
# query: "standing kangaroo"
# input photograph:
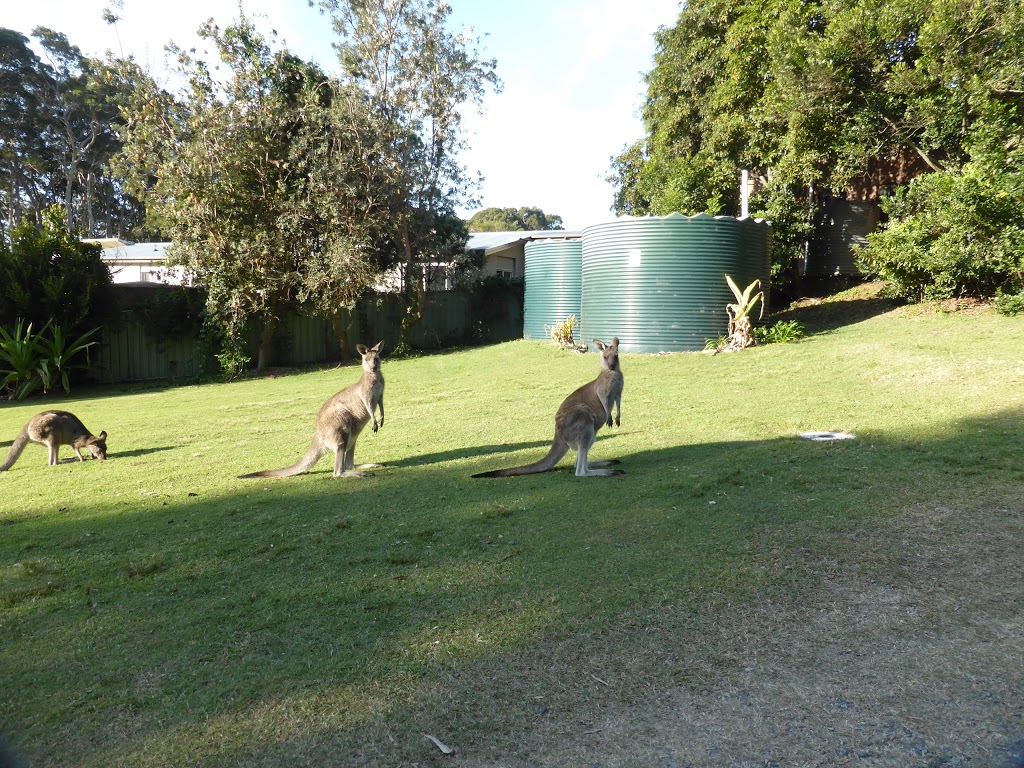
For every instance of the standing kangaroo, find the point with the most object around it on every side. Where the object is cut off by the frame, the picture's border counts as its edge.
(54, 429)
(579, 417)
(340, 421)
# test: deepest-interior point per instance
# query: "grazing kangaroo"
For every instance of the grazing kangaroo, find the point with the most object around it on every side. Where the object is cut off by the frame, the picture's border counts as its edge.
(54, 429)
(579, 417)
(340, 421)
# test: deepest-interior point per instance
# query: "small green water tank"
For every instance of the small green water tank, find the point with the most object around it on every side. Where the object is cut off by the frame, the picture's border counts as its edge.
(554, 286)
(658, 282)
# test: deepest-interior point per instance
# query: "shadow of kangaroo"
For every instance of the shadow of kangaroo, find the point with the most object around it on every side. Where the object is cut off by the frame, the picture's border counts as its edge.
(340, 421)
(578, 419)
(54, 429)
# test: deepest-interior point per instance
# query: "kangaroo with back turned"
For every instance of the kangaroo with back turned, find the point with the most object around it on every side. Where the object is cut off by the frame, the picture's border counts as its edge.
(54, 429)
(340, 421)
(579, 418)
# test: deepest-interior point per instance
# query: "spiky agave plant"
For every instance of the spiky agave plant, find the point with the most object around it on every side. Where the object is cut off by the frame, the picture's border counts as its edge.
(741, 329)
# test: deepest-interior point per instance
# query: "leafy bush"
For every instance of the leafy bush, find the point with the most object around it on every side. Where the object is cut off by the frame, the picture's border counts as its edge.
(173, 312)
(952, 235)
(1010, 304)
(46, 274)
(782, 332)
(56, 354)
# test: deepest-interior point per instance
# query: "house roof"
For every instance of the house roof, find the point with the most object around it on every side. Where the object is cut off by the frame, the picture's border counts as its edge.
(105, 242)
(494, 242)
(136, 253)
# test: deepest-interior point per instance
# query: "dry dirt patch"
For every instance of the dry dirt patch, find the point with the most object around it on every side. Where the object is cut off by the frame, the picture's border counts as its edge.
(922, 667)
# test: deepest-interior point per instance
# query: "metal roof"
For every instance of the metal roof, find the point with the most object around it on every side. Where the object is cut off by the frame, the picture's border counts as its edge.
(145, 253)
(493, 242)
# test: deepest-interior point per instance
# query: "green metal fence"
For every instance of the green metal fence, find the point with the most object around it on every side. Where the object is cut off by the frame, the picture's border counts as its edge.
(128, 353)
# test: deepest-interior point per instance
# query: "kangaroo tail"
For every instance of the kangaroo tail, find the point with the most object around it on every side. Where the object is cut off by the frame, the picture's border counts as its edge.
(12, 455)
(316, 450)
(558, 450)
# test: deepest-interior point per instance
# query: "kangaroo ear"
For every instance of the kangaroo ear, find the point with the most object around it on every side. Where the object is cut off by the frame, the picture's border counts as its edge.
(102, 435)
(361, 349)
(600, 344)
(615, 341)
(379, 346)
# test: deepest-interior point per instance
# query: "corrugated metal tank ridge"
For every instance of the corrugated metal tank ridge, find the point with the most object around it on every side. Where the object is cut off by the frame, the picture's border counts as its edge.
(553, 286)
(658, 282)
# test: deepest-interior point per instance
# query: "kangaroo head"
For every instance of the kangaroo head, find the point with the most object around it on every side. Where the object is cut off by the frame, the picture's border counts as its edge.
(371, 356)
(97, 445)
(609, 354)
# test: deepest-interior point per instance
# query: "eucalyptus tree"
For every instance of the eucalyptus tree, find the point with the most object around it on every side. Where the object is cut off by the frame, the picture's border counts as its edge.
(413, 76)
(246, 173)
(58, 132)
(24, 155)
(83, 115)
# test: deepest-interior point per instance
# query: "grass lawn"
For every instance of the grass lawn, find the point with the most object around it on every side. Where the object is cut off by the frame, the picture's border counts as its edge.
(157, 611)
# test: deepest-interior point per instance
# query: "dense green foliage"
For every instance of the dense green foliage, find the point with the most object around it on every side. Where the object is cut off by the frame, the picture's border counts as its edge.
(513, 220)
(224, 173)
(953, 234)
(1010, 303)
(46, 273)
(832, 97)
(281, 185)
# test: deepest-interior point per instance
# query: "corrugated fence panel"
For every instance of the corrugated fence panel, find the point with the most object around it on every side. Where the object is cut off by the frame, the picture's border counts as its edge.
(127, 353)
(304, 339)
(444, 321)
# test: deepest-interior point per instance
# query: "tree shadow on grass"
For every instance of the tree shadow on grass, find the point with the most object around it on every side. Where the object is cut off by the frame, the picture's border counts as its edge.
(469, 452)
(439, 604)
(831, 313)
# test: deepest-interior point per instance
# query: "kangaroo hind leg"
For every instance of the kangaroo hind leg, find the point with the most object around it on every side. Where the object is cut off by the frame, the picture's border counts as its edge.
(343, 457)
(586, 468)
(350, 459)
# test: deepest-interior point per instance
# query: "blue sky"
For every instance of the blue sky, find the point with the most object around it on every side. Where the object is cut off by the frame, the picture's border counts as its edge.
(572, 72)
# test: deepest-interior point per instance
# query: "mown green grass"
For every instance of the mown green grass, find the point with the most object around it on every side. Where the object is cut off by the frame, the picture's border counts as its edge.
(157, 611)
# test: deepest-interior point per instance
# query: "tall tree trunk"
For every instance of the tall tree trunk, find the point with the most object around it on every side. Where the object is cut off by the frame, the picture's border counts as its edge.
(68, 191)
(90, 220)
(414, 296)
(341, 333)
(263, 356)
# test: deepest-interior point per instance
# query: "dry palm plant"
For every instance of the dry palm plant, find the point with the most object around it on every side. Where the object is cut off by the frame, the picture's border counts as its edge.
(741, 329)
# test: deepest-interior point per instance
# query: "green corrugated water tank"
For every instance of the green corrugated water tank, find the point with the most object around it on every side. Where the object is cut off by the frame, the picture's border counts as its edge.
(554, 286)
(658, 282)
